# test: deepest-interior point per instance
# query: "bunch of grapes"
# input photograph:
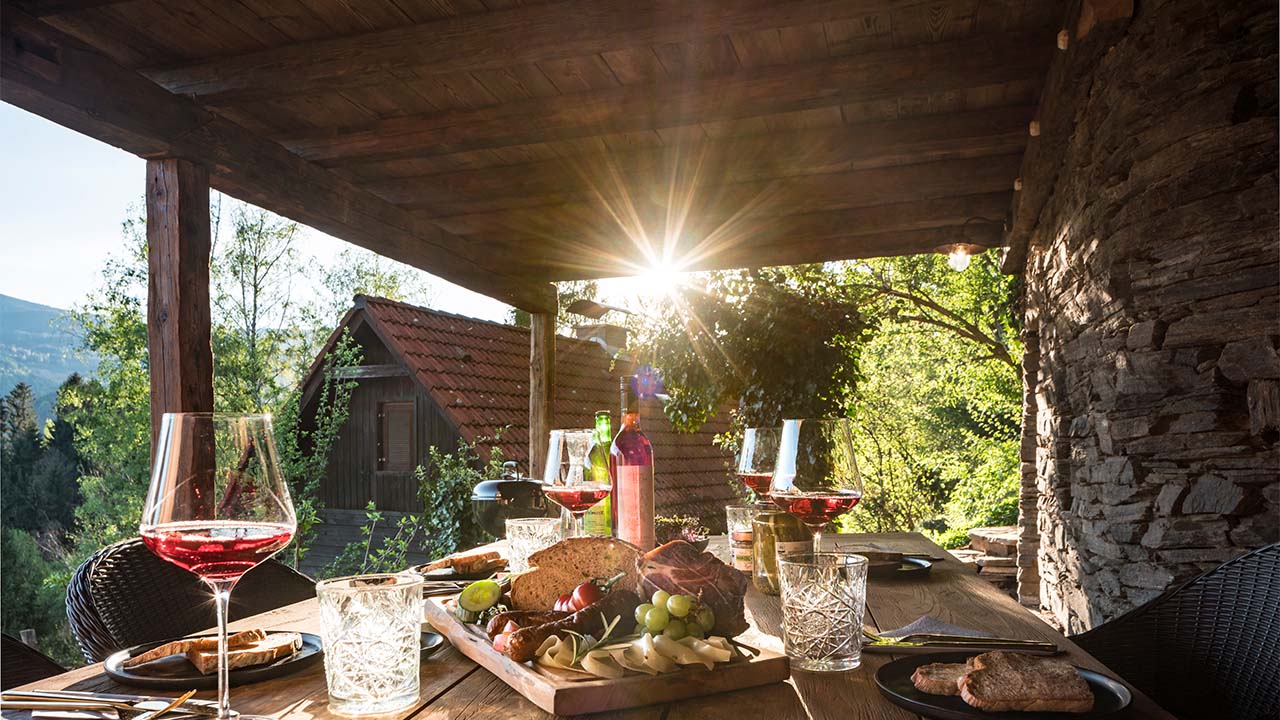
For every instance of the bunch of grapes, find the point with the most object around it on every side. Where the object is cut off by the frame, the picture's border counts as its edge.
(674, 616)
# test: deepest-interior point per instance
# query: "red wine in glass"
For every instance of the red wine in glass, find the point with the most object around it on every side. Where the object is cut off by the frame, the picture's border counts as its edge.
(217, 506)
(757, 481)
(217, 550)
(817, 510)
(816, 476)
(577, 499)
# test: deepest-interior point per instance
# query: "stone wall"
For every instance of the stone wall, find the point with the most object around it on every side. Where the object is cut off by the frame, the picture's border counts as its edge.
(1153, 295)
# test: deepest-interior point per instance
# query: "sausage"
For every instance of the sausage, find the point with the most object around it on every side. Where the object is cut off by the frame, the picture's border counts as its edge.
(522, 618)
(523, 644)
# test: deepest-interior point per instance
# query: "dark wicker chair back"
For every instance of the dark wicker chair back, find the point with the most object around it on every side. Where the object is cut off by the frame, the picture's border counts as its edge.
(1207, 649)
(124, 596)
(21, 664)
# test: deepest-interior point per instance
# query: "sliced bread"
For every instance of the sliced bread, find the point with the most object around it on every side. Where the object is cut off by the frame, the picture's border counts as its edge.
(1003, 680)
(567, 564)
(939, 678)
(186, 645)
(269, 649)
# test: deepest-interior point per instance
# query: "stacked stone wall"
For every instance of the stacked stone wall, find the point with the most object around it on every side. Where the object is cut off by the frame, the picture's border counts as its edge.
(1153, 286)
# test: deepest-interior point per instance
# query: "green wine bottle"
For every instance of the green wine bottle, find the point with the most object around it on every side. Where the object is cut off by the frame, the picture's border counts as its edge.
(597, 520)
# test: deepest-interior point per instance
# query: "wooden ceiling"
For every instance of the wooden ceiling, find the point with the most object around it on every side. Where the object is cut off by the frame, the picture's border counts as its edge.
(503, 144)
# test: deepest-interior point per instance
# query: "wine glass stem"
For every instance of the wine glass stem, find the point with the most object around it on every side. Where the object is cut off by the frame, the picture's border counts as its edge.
(579, 528)
(817, 540)
(222, 600)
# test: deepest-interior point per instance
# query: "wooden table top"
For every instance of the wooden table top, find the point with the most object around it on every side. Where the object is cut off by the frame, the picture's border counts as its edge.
(454, 687)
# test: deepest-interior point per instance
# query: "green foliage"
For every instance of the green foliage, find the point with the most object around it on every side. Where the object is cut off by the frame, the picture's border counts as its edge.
(32, 598)
(952, 538)
(773, 343)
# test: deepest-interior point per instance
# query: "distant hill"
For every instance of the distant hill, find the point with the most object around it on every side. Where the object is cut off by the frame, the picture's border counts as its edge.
(37, 349)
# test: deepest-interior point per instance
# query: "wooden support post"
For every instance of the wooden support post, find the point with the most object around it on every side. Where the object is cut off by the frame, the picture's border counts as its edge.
(178, 247)
(542, 387)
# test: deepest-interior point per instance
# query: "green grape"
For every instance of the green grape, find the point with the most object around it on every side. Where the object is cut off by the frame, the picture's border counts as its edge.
(660, 598)
(639, 629)
(706, 619)
(641, 610)
(679, 605)
(656, 619)
(676, 629)
(693, 629)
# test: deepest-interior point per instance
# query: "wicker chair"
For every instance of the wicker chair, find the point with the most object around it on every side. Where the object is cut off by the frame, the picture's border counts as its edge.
(1207, 649)
(124, 596)
(21, 664)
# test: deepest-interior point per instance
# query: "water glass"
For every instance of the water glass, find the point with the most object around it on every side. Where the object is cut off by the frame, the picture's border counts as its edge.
(371, 626)
(526, 536)
(738, 519)
(823, 599)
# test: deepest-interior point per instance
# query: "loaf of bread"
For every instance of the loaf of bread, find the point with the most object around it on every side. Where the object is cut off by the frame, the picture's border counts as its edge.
(567, 564)
(269, 649)
(1003, 680)
(468, 562)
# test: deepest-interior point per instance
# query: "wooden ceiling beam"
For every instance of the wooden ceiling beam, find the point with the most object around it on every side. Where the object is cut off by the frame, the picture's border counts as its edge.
(53, 75)
(878, 75)
(44, 8)
(493, 40)
(710, 209)
(995, 131)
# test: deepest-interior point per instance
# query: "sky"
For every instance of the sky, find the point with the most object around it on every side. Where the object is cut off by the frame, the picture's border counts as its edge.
(63, 196)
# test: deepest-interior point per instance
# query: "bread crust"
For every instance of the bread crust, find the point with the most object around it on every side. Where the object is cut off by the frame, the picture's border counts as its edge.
(273, 647)
(939, 678)
(1003, 680)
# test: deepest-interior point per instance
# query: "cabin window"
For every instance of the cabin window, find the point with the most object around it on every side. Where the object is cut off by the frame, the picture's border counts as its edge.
(395, 436)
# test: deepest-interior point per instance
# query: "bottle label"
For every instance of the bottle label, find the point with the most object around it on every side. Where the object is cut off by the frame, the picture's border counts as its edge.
(635, 505)
(596, 521)
(742, 557)
(794, 547)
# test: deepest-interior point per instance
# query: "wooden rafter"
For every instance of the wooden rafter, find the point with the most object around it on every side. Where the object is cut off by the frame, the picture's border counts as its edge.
(58, 77)
(490, 41)
(871, 76)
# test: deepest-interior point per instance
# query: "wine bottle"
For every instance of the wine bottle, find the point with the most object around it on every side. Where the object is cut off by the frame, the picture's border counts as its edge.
(631, 467)
(598, 520)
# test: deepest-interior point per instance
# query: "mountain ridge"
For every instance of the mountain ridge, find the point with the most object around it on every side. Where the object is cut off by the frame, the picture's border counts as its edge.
(38, 349)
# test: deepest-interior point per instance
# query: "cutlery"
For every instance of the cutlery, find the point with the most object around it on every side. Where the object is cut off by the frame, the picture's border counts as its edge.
(91, 701)
(964, 642)
(125, 711)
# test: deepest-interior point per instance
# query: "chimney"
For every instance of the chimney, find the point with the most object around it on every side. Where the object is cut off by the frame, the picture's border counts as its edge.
(613, 338)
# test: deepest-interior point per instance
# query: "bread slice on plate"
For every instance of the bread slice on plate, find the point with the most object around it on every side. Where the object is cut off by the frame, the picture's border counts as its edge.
(1002, 680)
(567, 564)
(939, 678)
(269, 649)
(186, 645)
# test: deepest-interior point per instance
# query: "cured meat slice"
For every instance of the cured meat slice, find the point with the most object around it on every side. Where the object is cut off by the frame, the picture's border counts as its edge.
(680, 569)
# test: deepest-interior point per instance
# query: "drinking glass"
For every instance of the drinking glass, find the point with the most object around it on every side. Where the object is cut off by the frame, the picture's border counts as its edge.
(757, 458)
(823, 599)
(738, 519)
(816, 476)
(218, 505)
(568, 486)
(371, 627)
(526, 536)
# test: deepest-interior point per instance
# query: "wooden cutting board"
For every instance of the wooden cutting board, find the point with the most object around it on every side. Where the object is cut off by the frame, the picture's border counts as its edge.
(573, 697)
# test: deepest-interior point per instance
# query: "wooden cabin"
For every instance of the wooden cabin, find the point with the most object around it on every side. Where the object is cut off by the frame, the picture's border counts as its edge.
(429, 378)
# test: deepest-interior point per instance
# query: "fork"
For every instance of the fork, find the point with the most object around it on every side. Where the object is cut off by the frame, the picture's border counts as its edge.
(141, 710)
(959, 641)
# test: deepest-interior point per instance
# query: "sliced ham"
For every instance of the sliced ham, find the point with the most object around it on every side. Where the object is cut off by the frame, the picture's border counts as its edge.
(680, 569)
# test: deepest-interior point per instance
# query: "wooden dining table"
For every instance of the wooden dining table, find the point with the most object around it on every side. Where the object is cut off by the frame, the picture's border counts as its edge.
(454, 687)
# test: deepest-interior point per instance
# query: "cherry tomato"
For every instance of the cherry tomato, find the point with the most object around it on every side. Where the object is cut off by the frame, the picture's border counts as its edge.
(510, 627)
(585, 594)
(500, 642)
(565, 603)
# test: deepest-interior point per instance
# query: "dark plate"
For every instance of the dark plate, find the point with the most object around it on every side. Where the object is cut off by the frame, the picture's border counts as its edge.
(909, 567)
(431, 642)
(175, 673)
(448, 574)
(894, 680)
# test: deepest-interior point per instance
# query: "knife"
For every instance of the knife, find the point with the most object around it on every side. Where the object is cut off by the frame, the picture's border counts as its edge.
(190, 707)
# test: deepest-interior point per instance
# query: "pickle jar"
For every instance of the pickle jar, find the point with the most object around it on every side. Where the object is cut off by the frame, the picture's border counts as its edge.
(775, 533)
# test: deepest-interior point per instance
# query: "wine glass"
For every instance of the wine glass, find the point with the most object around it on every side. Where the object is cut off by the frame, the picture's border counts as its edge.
(568, 486)
(218, 505)
(816, 477)
(757, 457)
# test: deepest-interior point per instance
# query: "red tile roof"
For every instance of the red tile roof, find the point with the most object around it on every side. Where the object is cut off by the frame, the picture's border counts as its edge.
(478, 374)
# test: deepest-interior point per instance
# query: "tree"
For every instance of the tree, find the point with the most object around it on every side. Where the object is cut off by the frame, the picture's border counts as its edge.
(359, 272)
(771, 343)
(566, 292)
(20, 450)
